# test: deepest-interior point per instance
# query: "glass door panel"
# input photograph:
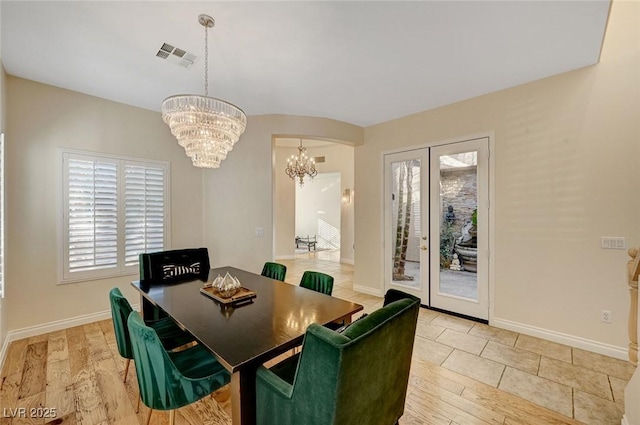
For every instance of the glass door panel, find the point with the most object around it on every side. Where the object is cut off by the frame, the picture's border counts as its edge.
(406, 218)
(458, 228)
(459, 221)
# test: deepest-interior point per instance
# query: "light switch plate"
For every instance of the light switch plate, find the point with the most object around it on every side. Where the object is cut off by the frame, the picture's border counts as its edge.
(612, 242)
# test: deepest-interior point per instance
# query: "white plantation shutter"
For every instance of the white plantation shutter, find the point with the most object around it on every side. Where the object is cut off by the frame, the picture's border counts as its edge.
(114, 209)
(144, 211)
(92, 215)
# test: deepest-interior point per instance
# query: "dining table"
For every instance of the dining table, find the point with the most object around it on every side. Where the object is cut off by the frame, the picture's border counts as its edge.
(243, 336)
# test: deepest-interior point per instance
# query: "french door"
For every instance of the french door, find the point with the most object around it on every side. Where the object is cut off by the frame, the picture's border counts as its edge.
(437, 225)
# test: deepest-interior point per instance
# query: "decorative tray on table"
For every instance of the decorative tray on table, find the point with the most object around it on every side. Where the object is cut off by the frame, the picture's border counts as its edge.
(243, 294)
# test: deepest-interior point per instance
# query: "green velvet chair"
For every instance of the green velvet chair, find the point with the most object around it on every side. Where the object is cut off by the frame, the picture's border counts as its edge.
(356, 377)
(317, 281)
(170, 380)
(168, 331)
(274, 271)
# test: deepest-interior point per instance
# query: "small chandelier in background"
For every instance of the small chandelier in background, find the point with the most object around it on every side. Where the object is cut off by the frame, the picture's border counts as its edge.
(301, 165)
(206, 127)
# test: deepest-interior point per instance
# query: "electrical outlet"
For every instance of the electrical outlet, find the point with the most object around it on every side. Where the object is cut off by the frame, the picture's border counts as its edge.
(605, 316)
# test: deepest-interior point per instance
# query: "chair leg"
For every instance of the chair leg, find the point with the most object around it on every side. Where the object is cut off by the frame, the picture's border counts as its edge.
(172, 417)
(149, 416)
(126, 370)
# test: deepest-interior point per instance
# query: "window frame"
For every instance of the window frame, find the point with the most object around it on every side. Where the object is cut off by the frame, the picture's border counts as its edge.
(121, 269)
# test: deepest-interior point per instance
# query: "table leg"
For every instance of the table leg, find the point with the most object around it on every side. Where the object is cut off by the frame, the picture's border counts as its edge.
(243, 397)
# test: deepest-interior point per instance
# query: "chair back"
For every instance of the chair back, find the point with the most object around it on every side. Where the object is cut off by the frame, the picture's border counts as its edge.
(317, 281)
(174, 266)
(154, 368)
(358, 376)
(274, 271)
(394, 295)
(168, 267)
(170, 380)
(120, 310)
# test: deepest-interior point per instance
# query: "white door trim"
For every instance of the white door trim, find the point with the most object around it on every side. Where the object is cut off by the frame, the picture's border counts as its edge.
(492, 204)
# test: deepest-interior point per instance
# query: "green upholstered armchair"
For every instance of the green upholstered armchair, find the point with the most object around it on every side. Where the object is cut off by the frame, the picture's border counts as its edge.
(356, 377)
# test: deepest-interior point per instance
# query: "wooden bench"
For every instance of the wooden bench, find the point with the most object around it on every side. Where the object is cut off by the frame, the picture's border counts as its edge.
(309, 242)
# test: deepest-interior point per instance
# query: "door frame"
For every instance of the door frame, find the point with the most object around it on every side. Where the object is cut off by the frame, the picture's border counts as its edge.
(492, 205)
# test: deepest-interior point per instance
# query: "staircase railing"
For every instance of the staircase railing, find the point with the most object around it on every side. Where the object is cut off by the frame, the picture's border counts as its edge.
(633, 269)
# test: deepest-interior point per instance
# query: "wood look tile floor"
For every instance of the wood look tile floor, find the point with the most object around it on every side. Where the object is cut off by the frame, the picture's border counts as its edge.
(463, 373)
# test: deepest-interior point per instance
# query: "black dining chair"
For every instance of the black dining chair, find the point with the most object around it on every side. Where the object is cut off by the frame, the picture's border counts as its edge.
(172, 266)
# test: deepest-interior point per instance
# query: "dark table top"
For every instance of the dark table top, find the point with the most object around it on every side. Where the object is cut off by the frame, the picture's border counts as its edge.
(254, 332)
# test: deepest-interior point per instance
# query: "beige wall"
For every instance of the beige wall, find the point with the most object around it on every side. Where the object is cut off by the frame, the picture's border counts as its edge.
(238, 196)
(338, 158)
(40, 120)
(566, 160)
(284, 209)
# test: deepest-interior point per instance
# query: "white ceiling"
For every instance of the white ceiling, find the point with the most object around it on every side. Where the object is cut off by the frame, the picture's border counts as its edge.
(362, 62)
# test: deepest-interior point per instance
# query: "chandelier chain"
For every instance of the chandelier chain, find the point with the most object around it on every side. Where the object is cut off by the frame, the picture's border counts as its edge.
(206, 60)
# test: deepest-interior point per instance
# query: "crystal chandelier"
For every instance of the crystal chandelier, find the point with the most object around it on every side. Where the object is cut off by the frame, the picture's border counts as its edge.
(206, 127)
(298, 166)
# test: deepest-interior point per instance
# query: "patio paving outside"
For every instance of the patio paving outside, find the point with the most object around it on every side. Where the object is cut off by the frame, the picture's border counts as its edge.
(456, 283)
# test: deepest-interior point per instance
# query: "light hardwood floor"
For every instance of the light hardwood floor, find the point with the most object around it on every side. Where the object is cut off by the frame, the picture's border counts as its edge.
(462, 374)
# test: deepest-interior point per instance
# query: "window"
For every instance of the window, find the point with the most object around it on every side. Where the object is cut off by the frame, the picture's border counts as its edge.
(2, 215)
(114, 209)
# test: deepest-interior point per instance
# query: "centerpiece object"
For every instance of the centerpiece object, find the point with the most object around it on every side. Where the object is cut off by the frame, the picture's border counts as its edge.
(226, 286)
(227, 290)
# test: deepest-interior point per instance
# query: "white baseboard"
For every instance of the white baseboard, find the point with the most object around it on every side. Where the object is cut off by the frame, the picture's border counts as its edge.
(3, 352)
(566, 339)
(368, 290)
(285, 257)
(57, 325)
(347, 261)
(624, 420)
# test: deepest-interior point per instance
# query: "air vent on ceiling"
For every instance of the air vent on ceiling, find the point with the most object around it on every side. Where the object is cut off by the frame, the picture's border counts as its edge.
(176, 55)
(318, 159)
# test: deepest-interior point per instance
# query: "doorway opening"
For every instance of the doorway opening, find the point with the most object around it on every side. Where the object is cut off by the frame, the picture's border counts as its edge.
(318, 214)
(315, 221)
